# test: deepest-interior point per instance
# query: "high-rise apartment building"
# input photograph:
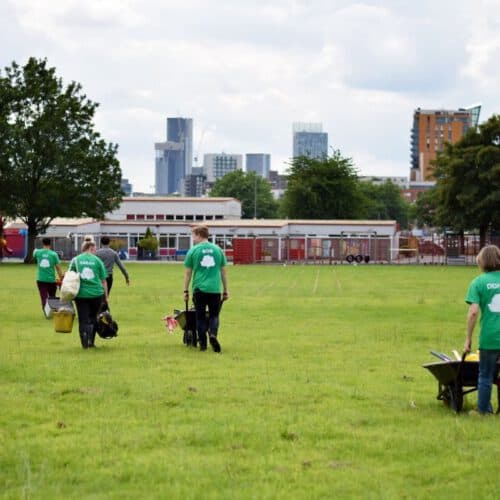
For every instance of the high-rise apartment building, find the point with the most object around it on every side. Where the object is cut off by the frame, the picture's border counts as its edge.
(173, 160)
(195, 183)
(431, 130)
(260, 163)
(309, 140)
(216, 166)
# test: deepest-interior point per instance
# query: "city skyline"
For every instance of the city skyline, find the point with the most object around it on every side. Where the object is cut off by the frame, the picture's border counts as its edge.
(246, 72)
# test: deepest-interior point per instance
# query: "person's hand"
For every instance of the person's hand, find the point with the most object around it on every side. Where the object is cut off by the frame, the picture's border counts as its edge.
(186, 295)
(467, 346)
(225, 296)
(127, 281)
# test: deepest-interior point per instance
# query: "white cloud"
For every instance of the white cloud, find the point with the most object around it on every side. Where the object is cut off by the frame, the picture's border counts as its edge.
(246, 71)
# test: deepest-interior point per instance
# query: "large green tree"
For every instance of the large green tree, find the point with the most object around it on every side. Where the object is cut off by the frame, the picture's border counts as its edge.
(384, 202)
(323, 188)
(468, 181)
(253, 191)
(52, 161)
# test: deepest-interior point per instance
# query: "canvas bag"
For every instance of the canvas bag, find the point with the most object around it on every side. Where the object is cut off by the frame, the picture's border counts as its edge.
(70, 284)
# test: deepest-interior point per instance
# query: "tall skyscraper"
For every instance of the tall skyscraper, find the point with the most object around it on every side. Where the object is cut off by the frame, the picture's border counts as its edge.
(309, 140)
(173, 160)
(216, 166)
(431, 130)
(259, 163)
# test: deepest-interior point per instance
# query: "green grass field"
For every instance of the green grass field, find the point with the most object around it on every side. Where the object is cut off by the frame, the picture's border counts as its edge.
(319, 391)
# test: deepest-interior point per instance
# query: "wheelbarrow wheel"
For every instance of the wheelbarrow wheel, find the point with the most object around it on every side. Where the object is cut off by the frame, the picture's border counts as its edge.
(453, 397)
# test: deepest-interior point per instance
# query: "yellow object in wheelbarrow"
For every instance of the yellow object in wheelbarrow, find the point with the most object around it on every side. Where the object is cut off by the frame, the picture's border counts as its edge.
(472, 356)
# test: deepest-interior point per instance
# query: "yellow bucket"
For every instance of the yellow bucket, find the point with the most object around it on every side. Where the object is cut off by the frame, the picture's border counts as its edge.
(63, 321)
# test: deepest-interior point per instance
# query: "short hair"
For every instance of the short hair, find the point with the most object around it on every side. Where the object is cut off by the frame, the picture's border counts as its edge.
(88, 237)
(105, 240)
(201, 231)
(46, 241)
(488, 259)
(87, 244)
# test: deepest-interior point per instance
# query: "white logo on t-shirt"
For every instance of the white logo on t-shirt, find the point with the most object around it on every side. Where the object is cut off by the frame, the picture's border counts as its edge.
(494, 305)
(87, 274)
(44, 263)
(207, 261)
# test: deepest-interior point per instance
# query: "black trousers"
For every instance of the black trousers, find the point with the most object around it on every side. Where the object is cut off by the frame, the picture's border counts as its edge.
(88, 309)
(202, 301)
(109, 281)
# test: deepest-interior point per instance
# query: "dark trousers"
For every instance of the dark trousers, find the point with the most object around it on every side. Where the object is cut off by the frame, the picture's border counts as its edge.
(109, 281)
(46, 290)
(88, 309)
(202, 301)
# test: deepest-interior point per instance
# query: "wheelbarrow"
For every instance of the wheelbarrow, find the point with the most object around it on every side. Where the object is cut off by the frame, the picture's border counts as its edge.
(456, 378)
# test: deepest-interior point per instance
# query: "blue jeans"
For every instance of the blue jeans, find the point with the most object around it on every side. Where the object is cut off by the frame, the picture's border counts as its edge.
(487, 370)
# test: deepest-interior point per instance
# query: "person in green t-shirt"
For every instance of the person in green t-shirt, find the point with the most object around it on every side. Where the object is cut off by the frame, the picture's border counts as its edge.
(205, 264)
(483, 295)
(93, 291)
(48, 263)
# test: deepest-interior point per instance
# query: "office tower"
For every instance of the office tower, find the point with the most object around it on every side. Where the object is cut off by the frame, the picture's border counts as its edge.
(259, 163)
(126, 187)
(173, 160)
(218, 165)
(431, 130)
(309, 140)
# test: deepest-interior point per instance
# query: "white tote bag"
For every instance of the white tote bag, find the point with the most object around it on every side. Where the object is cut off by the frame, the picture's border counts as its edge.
(70, 284)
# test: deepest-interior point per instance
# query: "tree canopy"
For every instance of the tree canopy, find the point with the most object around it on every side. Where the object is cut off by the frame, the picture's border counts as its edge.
(253, 191)
(468, 181)
(323, 188)
(53, 163)
(384, 202)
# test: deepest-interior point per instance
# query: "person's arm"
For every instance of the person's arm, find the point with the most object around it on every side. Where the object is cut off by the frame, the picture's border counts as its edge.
(59, 271)
(187, 279)
(122, 268)
(225, 292)
(472, 316)
(105, 286)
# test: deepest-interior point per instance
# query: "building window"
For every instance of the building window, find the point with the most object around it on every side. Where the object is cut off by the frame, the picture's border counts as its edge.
(167, 241)
(189, 217)
(219, 217)
(169, 217)
(184, 242)
(140, 216)
(199, 217)
(130, 217)
(150, 217)
(160, 217)
(179, 217)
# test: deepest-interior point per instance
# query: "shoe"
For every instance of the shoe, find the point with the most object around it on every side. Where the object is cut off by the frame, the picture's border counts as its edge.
(214, 343)
(203, 347)
(476, 413)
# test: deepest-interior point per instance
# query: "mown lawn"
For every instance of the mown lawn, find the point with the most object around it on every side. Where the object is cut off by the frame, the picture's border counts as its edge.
(319, 391)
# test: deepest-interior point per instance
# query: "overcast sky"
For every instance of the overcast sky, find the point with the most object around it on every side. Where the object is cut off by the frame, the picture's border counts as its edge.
(245, 71)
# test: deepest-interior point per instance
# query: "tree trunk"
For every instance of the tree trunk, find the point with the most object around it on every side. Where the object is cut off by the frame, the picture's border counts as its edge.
(32, 234)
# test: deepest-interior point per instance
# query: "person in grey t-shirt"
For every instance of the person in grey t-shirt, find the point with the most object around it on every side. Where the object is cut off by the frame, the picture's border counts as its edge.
(110, 258)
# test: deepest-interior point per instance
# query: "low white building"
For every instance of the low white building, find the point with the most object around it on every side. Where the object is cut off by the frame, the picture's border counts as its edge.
(159, 209)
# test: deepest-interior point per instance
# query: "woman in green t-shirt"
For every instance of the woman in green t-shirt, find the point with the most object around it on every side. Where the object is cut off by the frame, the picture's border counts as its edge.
(93, 291)
(483, 295)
